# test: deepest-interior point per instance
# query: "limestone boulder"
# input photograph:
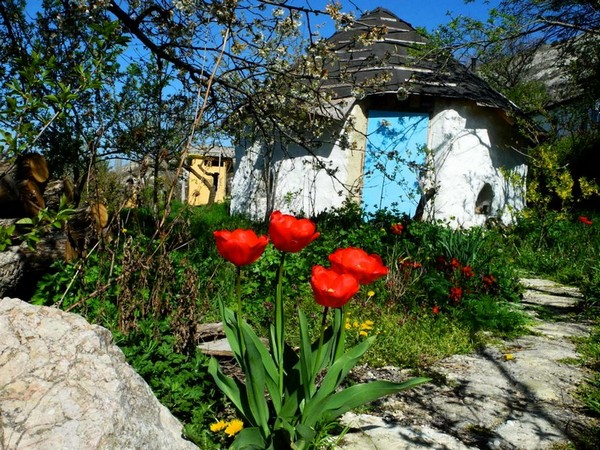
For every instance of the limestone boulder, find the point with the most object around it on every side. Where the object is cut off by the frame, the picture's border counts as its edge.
(65, 385)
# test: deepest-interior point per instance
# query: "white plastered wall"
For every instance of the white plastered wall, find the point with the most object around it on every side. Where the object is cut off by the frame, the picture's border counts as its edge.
(302, 183)
(470, 147)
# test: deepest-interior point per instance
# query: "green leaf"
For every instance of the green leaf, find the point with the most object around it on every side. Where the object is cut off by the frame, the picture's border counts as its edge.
(307, 363)
(360, 394)
(334, 377)
(255, 385)
(266, 363)
(25, 221)
(233, 389)
(249, 439)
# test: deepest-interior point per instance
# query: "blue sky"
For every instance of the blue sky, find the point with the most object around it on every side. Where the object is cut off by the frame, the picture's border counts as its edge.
(419, 13)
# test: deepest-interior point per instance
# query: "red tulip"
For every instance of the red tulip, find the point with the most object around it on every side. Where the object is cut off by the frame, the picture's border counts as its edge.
(467, 271)
(289, 234)
(455, 293)
(241, 247)
(332, 289)
(435, 309)
(397, 228)
(355, 261)
(585, 220)
(489, 280)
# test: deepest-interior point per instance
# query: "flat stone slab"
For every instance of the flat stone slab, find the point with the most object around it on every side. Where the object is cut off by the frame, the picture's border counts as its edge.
(518, 395)
(550, 287)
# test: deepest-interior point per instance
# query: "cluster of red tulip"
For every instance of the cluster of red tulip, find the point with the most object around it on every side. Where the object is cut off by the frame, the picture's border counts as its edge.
(462, 279)
(333, 288)
(296, 403)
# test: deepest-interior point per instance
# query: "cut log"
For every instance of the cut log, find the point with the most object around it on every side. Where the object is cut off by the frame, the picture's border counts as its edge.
(55, 190)
(30, 197)
(85, 227)
(32, 166)
(22, 184)
(21, 267)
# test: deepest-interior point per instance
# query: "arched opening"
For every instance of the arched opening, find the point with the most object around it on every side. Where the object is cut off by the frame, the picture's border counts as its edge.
(483, 205)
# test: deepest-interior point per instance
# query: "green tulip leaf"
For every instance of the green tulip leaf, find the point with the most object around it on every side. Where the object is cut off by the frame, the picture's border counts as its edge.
(266, 363)
(255, 383)
(249, 439)
(360, 394)
(233, 389)
(334, 377)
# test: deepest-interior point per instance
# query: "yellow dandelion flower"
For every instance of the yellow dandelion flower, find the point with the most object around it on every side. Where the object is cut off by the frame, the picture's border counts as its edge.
(370, 294)
(234, 427)
(355, 324)
(366, 325)
(219, 426)
(363, 333)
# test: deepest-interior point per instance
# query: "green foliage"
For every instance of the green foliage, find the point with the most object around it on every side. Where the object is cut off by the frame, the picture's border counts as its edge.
(6, 234)
(543, 243)
(180, 381)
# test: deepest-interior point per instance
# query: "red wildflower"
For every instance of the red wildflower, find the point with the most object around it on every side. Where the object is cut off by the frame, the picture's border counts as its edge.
(441, 263)
(289, 234)
(489, 280)
(332, 289)
(454, 263)
(408, 264)
(355, 261)
(435, 309)
(397, 228)
(467, 271)
(455, 293)
(241, 247)
(585, 220)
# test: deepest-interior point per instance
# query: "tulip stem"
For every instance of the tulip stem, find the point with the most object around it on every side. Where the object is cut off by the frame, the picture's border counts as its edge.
(341, 336)
(279, 322)
(317, 368)
(238, 295)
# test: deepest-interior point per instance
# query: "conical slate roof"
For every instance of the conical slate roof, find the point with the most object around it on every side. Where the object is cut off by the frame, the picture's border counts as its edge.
(391, 65)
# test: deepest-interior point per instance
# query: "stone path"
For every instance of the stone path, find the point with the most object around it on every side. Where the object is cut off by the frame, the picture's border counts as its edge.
(517, 394)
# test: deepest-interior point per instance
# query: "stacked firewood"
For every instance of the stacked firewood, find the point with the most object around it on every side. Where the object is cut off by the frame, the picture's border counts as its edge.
(25, 190)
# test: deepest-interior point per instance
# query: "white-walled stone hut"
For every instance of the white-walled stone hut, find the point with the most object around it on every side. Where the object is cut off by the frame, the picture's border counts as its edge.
(427, 138)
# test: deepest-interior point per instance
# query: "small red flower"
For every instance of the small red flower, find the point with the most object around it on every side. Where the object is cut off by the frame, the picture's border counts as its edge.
(585, 220)
(241, 247)
(455, 293)
(489, 280)
(332, 289)
(454, 263)
(467, 271)
(435, 309)
(290, 234)
(355, 261)
(397, 228)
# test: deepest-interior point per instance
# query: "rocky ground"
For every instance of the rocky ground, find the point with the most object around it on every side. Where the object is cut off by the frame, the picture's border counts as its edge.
(515, 394)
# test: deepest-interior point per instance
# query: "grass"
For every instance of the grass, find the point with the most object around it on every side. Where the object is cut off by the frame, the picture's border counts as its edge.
(418, 341)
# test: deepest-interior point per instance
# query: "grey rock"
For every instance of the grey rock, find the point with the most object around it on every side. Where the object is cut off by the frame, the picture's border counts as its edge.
(64, 385)
(12, 267)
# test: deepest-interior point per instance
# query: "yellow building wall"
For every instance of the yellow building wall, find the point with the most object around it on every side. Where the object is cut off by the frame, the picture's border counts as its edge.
(212, 170)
